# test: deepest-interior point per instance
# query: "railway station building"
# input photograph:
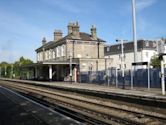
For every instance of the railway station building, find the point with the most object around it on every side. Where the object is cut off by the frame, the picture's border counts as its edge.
(70, 57)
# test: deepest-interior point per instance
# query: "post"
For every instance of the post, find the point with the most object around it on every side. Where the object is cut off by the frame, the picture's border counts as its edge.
(12, 71)
(134, 30)
(131, 77)
(50, 72)
(90, 72)
(162, 77)
(0, 72)
(148, 76)
(5, 71)
(108, 74)
(122, 60)
(36, 72)
(70, 68)
(116, 76)
(75, 74)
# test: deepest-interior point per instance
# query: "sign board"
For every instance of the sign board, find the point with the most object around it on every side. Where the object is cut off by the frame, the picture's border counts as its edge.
(139, 63)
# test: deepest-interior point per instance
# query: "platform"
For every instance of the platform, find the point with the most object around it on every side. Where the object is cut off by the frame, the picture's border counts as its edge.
(16, 109)
(154, 94)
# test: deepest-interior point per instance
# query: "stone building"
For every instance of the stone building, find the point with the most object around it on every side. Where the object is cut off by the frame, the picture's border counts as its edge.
(68, 57)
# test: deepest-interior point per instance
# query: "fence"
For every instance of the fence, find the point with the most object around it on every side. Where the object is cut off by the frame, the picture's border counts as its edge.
(140, 77)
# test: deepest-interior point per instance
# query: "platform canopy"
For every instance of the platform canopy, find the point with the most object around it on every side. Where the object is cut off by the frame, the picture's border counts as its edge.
(50, 63)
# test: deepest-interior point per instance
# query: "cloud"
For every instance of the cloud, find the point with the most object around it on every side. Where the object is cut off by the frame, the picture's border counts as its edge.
(143, 4)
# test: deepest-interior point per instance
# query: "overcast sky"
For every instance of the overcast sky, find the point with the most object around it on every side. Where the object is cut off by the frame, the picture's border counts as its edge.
(23, 23)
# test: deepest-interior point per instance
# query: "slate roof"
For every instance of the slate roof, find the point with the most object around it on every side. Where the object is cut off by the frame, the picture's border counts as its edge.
(83, 36)
(129, 47)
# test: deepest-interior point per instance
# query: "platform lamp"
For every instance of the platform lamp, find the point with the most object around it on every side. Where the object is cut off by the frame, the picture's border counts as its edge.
(122, 59)
(90, 71)
(5, 70)
(70, 56)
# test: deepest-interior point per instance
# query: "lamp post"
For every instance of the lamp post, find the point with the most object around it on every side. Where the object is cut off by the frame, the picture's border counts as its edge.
(90, 71)
(12, 71)
(5, 71)
(122, 60)
(70, 67)
(20, 70)
(108, 73)
(134, 30)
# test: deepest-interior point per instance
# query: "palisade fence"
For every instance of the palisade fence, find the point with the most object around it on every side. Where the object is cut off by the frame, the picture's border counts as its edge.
(140, 78)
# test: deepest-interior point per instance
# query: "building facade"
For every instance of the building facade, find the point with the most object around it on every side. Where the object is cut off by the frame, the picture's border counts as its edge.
(146, 49)
(68, 57)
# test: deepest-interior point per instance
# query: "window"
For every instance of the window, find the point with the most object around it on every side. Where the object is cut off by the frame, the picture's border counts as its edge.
(124, 56)
(47, 54)
(119, 66)
(125, 66)
(53, 54)
(147, 54)
(154, 44)
(57, 53)
(62, 50)
(41, 56)
(108, 48)
(147, 43)
(38, 56)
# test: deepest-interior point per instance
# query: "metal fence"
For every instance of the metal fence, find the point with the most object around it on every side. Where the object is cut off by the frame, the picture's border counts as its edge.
(113, 77)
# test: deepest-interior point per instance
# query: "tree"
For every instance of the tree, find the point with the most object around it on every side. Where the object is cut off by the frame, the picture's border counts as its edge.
(155, 62)
(17, 66)
(8, 69)
(5, 69)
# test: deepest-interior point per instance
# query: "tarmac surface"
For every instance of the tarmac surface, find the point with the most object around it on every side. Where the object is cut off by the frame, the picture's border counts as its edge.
(18, 110)
(136, 91)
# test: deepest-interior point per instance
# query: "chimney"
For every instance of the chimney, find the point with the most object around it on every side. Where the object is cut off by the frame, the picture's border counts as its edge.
(93, 32)
(70, 28)
(44, 41)
(57, 35)
(75, 30)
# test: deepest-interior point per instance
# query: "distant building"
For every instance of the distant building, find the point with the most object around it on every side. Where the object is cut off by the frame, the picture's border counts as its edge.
(84, 51)
(146, 49)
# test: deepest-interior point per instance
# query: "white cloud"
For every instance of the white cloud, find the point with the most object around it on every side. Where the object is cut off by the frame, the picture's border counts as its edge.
(143, 4)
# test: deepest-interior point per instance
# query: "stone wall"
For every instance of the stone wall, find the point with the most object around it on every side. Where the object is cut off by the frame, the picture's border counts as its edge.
(84, 49)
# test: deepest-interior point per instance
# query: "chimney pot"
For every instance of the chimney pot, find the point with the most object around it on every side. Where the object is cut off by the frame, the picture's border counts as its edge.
(76, 30)
(57, 35)
(44, 41)
(93, 32)
(70, 28)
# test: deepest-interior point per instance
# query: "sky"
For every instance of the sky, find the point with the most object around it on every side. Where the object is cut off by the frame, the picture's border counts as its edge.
(23, 23)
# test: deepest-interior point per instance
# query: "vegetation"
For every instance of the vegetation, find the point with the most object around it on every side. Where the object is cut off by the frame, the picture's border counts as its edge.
(155, 62)
(13, 70)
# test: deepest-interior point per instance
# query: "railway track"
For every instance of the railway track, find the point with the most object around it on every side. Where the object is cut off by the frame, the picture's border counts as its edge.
(89, 110)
